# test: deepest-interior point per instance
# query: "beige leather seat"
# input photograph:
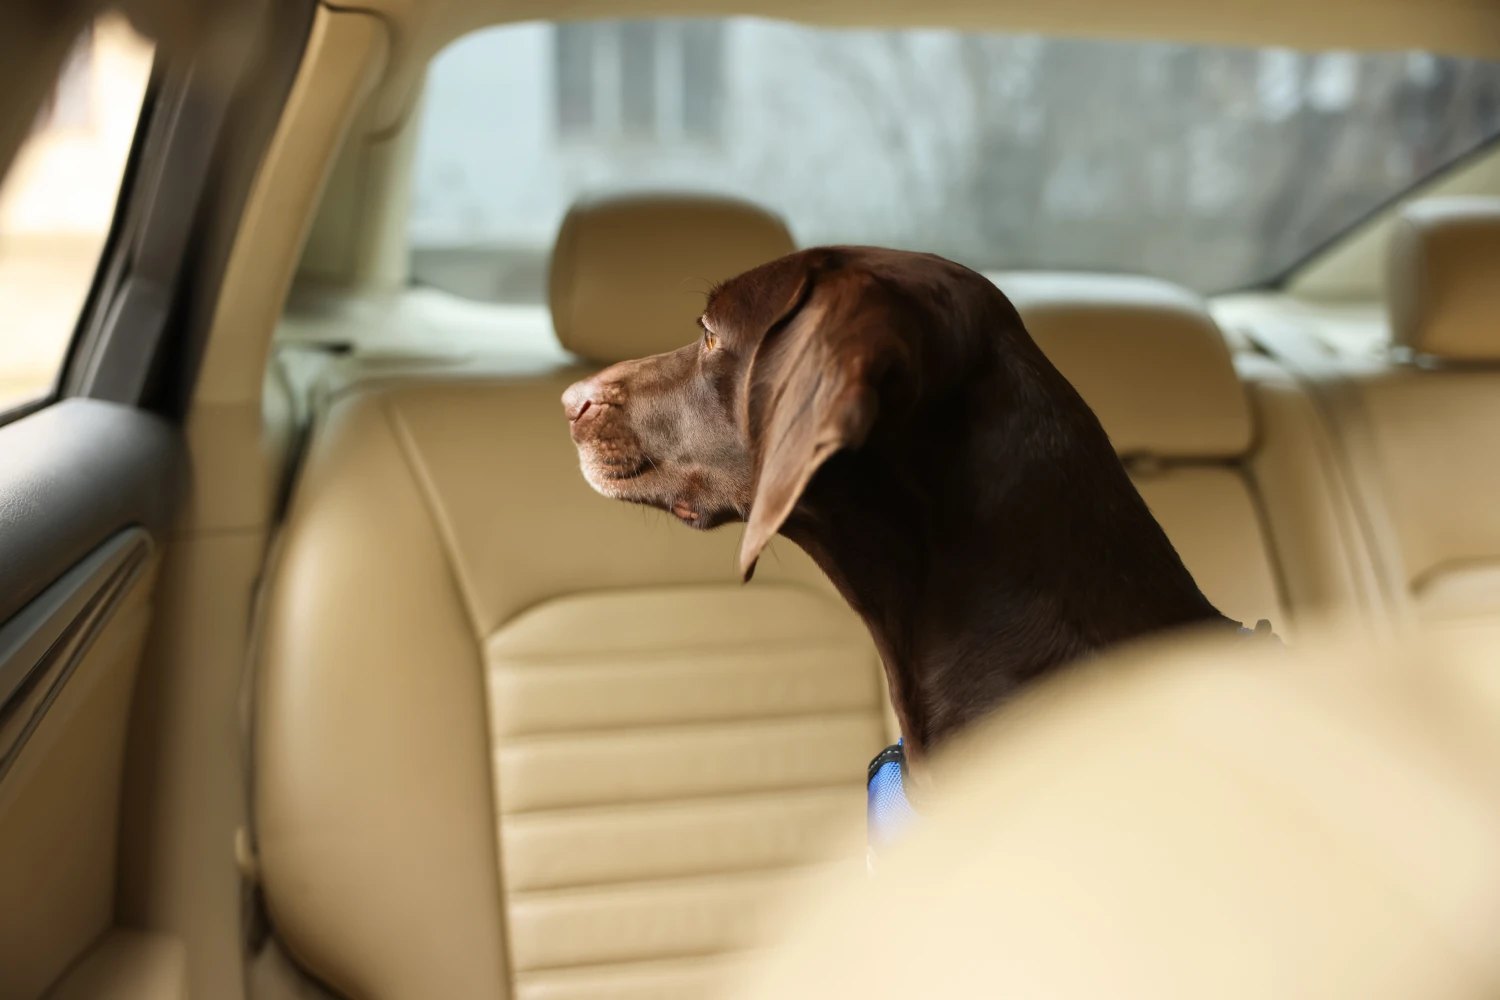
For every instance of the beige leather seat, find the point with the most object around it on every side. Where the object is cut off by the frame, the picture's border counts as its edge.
(515, 739)
(1230, 823)
(1418, 435)
(1151, 362)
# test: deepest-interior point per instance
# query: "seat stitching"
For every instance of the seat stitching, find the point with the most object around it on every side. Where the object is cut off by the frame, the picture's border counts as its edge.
(436, 512)
(406, 446)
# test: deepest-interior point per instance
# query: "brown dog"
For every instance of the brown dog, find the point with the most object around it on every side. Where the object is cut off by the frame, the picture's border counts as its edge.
(889, 413)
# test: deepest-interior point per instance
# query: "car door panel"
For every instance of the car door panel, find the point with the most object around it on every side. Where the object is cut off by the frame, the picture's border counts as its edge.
(87, 491)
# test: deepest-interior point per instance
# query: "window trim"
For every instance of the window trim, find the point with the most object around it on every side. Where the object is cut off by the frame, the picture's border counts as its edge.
(112, 353)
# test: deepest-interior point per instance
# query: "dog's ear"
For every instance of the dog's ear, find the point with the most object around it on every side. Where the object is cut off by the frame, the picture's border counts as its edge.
(811, 390)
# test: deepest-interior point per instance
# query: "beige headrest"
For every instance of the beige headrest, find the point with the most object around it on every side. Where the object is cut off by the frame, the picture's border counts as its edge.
(1145, 354)
(629, 272)
(1443, 278)
(1227, 823)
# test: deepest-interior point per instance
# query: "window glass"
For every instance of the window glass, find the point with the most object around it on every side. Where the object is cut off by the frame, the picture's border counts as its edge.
(1216, 167)
(58, 200)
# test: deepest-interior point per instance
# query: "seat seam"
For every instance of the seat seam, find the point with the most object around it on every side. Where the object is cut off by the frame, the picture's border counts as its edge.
(672, 729)
(436, 513)
(541, 660)
(686, 798)
(742, 875)
(1267, 539)
(648, 730)
(1427, 577)
(598, 812)
(700, 957)
(1351, 422)
(427, 490)
(1333, 438)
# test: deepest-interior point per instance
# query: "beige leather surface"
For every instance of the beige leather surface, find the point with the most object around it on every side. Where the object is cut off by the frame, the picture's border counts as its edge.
(346, 51)
(1441, 287)
(59, 810)
(1322, 558)
(1146, 356)
(1213, 822)
(271, 974)
(630, 273)
(666, 760)
(1412, 442)
(183, 796)
(370, 746)
(128, 965)
(667, 749)
(1214, 523)
(358, 236)
(1436, 441)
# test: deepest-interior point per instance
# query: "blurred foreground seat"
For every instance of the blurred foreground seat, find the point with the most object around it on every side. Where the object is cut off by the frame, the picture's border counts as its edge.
(1196, 823)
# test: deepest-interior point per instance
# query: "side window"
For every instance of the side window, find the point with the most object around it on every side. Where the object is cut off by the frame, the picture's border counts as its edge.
(58, 200)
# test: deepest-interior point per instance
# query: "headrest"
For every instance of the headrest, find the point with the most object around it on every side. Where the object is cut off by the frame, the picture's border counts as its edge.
(1145, 354)
(1443, 278)
(629, 272)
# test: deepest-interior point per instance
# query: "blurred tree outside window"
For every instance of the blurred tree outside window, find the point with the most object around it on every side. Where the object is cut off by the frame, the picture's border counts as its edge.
(1216, 167)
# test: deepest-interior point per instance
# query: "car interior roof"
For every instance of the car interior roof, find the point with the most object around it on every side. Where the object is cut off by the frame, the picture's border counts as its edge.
(421, 28)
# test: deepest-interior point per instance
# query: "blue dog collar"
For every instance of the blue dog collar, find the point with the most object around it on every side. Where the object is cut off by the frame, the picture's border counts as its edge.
(888, 809)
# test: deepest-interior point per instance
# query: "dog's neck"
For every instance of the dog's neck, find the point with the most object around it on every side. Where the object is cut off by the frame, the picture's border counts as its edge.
(988, 541)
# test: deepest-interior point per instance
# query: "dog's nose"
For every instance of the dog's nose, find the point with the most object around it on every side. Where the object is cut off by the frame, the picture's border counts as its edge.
(578, 398)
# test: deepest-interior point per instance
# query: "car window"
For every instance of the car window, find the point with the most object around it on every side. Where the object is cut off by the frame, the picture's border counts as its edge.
(58, 200)
(1216, 167)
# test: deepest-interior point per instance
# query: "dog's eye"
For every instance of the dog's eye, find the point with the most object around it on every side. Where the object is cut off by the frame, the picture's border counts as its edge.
(709, 340)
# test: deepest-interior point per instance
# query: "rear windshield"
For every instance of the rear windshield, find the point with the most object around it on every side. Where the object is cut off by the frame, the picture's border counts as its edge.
(1215, 167)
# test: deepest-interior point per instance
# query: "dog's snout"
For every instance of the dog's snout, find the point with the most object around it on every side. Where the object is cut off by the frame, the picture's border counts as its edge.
(590, 395)
(579, 397)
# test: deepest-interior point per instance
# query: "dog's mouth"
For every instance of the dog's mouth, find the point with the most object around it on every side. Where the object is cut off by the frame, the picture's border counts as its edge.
(615, 463)
(610, 455)
(619, 476)
(624, 470)
(639, 479)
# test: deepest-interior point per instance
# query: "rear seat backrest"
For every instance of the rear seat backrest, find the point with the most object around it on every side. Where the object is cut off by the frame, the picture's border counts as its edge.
(1153, 365)
(516, 739)
(1412, 439)
(1434, 425)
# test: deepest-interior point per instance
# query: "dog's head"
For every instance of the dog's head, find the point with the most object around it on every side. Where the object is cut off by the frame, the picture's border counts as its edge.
(794, 361)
